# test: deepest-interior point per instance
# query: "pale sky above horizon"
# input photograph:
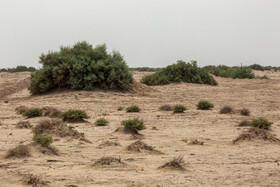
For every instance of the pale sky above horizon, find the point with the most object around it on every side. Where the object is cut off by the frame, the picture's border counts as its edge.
(153, 33)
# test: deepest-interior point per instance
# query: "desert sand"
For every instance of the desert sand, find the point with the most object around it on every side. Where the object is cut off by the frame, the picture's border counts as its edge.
(218, 162)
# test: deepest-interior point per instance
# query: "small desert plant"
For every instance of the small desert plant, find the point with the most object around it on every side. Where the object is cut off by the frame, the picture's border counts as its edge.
(33, 112)
(165, 107)
(134, 124)
(133, 108)
(74, 115)
(175, 164)
(18, 152)
(101, 122)
(204, 105)
(261, 123)
(42, 139)
(179, 108)
(120, 108)
(226, 110)
(245, 112)
(51, 112)
(244, 123)
(21, 109)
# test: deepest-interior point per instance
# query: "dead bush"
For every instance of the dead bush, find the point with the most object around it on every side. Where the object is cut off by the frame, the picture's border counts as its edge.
(245, 112)
(33, 180)
(139, 147)
(21, 109)
(244, 123)
(23, 125)
(20, 151)
(51, 112)
(226, 110)
(175, 164)
(165, 107)
(108, 161)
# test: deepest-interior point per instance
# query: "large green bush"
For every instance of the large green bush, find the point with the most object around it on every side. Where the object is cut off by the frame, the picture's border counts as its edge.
(180, 72)
(241, 72)
(81, 67)
(134, 124)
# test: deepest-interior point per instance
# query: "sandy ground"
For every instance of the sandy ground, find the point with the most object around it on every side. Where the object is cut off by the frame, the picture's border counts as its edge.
(216, 163)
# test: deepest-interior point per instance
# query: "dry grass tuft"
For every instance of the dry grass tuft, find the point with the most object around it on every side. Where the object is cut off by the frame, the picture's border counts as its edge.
(196, 142)
(108, 144)
(175, 164)
(256, 133)
(21, 151)
(244, 123)
(45, 149)
(108, 161)
(23, 125)
(51, 112)
(245, 112)
(165, 107)
(21, 109)
(139, 147)
(226, 110)
(33, 180)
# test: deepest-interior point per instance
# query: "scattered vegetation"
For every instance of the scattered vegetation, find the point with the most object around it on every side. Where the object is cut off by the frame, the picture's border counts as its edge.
(196, 142)
(226, 110)
(146, 69)
(165, 107)
(261, 123)
(263, 68)
(74, 115)
(51, 112)
(120, 108)
(81, 67)
(19, 152)
(178, 108)
(101, 122)
(133, 108)
(18, 69)
(23, 125)
(33, 112)
(21, 109)
(42, 139)
(180, 72)
(134, 124)
(175, 164)
(245, 112)
(140, 147)
(108, 161)
(33, 180)
(244, 123)
(204, 105)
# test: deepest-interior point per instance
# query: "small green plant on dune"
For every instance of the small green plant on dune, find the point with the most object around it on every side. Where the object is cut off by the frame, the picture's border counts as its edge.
(33, 112)
(42, 139)
(101, 122)
(74, 115)
(133, 108)
(204, 105)
(179, 108)
(261, 123)
(134, 124)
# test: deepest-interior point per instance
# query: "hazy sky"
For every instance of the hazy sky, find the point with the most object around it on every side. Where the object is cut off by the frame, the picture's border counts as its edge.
(152, 33)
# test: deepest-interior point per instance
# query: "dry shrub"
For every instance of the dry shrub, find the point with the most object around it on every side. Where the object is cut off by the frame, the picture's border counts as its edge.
(244, 123)
(45, 149)
(165, 107)
(245, 112)
(20, 151)
(23, 125)
(127, 130)
(51, 112)
(57, 128)
(21, 109)
(256, 133)
(139, 147)
(175, 164)
(108, 161)
(33, 180)
(226, 110)
(196, 142)
(108, 143)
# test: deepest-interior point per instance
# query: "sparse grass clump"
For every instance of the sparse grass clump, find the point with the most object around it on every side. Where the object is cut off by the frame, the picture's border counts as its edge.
(226, 110)
(134, 124)
(120, 108)
(204, 105)
(21, 109)
(261, 123)
(51, 112)
(42, 139)
(133, 108)
(180, 72)
(175, 164)
(101, 122)
(34, 180)
(244, 123)
(19, 152)
(33, 112)
(245, 112)
(165, 107)
(179, 108)
(74, 115)
(81, 67)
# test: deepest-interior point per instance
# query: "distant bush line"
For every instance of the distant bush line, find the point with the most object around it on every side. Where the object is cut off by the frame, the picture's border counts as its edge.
(263, 68)
(180, 72)
(18, 69)
(148, 69)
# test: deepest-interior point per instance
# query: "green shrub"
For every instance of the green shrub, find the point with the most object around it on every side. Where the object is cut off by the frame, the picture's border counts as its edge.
(261, 123)
(134, 124)
(204, 105)
(262, 77)
(81, 67)
(33, 112)
(145, 69)
(165, 107)
(101, 122)
(242, 72)
(133, 108)
(226, 110)
(74, 115)
(120, 108)
(179, 108)
(180, 72)
(42, 139)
